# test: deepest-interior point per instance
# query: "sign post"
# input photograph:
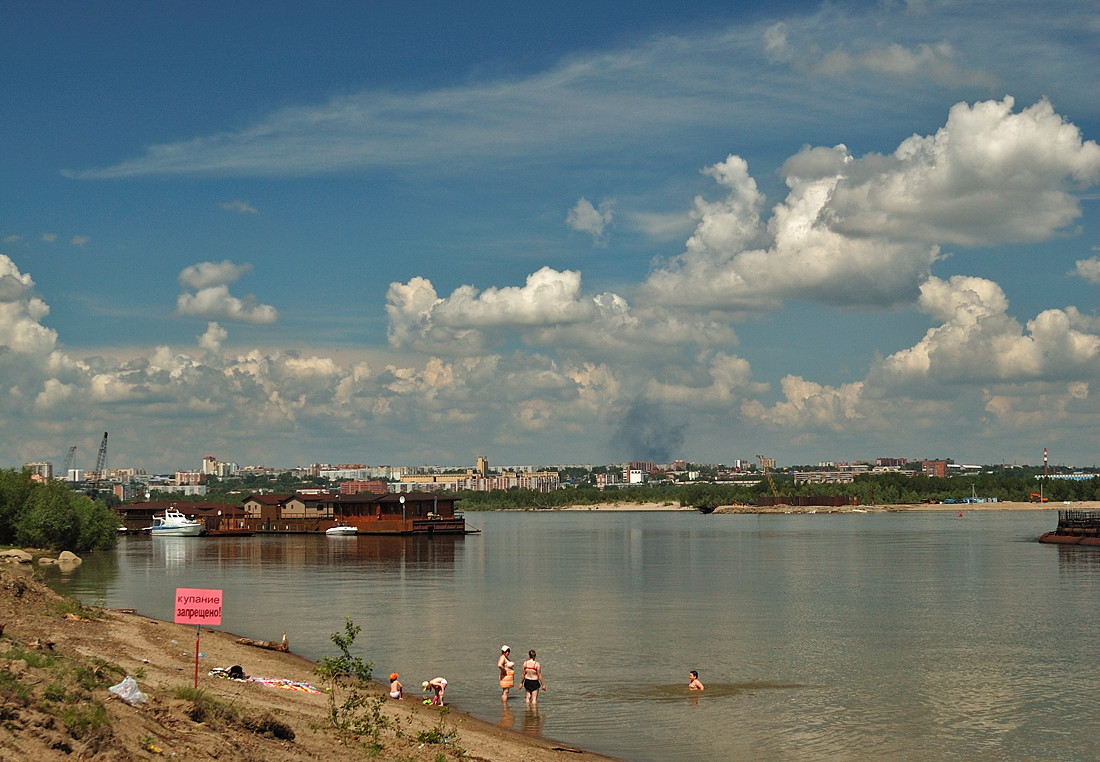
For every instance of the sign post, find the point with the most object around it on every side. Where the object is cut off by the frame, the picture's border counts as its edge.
(198, 607)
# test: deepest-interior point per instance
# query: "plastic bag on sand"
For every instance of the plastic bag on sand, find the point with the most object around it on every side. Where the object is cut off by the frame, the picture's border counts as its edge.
(128, 691)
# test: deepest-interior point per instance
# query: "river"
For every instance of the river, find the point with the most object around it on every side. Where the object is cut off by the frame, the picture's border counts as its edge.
(898, 636)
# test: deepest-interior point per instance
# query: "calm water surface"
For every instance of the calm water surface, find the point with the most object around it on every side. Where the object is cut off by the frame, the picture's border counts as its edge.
(819, 637)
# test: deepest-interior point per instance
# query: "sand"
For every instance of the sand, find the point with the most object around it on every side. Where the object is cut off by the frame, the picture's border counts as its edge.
(912, 508)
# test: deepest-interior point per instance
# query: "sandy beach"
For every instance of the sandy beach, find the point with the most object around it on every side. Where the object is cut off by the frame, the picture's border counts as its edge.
(913, 507)
(668, 506)
(58, 659)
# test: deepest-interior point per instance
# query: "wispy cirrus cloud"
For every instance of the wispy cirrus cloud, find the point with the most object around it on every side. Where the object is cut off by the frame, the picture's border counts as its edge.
(242, 207)
(740, 78)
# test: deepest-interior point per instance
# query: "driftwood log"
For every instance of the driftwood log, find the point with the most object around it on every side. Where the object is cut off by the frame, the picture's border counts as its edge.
(270, 645)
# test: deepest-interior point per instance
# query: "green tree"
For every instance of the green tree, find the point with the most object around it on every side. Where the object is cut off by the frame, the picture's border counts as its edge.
(15, 488)
(98, 524)
(49, 519)
(55, 517)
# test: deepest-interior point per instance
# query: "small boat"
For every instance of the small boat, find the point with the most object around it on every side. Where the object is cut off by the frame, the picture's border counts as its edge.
(175, 524)
(341, 530)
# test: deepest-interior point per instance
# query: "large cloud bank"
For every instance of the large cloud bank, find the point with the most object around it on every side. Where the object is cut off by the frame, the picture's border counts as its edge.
(499, 367)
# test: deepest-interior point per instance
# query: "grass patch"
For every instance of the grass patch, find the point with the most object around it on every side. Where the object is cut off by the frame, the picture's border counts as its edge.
(67, 606)
(86, 720)
(99, 674)
(187, 693)
(441, 733)
(36, 659)
(12, 689)
(205, 708)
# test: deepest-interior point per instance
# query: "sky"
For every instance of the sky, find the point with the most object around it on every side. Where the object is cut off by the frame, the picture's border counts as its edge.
(384, 233)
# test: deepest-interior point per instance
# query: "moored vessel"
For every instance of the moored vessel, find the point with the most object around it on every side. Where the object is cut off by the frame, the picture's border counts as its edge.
(341, 530)
(1075, 528)
(175, 524)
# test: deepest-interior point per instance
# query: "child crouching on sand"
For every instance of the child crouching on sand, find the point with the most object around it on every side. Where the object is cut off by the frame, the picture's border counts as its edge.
(438, 685)
(397, 690)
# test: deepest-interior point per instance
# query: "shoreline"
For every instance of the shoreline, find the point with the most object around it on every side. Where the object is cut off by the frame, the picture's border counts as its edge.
(1084, 505)
(42, 647)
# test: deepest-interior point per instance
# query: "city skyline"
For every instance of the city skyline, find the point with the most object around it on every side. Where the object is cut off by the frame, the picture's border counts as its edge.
(626, 232)
(215, 467)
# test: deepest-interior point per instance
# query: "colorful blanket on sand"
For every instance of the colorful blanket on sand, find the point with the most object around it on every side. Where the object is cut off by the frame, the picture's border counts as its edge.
(271, 682)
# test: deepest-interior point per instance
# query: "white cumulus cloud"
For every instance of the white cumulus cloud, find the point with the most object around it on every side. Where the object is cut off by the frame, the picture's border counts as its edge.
(1089, 269)
(978, 341)
(585, 218)
(212, 298)
(865, 231)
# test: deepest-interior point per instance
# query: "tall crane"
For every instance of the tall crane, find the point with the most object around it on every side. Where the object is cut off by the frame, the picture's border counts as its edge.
(68, 462)
(764, 464)
(100, 464)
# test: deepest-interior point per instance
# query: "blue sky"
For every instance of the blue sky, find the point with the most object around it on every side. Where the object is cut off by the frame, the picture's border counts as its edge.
(351, 232)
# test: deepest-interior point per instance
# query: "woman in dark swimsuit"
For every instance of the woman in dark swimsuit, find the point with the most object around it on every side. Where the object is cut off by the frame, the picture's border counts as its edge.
(532, 679)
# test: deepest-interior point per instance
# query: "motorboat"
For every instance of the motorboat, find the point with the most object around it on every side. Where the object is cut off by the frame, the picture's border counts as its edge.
(341, 530)
(175, 524)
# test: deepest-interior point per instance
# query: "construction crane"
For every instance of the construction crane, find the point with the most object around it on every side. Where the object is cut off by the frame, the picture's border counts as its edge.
(764, 464)
(100, 464)
(68, 462)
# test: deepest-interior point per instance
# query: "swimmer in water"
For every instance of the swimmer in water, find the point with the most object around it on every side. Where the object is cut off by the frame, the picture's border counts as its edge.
(694, 684)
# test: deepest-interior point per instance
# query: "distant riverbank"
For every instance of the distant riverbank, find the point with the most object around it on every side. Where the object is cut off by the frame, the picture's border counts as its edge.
(1092, 505)
(910, 507)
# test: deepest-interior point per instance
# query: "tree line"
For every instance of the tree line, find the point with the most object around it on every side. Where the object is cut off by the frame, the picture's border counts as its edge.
(52, 516)
(871, 489)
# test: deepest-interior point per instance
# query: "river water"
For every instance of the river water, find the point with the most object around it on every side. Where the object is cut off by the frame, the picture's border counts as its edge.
(819, 637)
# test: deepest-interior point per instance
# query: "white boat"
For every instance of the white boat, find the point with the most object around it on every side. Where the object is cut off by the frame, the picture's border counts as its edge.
(341, 530)
(175, 524)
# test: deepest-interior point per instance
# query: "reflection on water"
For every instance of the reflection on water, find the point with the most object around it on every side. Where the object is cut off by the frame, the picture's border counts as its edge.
(532, 721)
(679, 691)
(824, 637)
(173, 551)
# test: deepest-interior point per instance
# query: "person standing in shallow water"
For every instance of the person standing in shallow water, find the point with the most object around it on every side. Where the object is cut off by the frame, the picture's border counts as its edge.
(532, 679)
(507, 672)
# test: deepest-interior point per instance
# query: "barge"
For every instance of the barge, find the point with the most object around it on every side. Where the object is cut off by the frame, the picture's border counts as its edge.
(1075, 528)
(409, 513)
